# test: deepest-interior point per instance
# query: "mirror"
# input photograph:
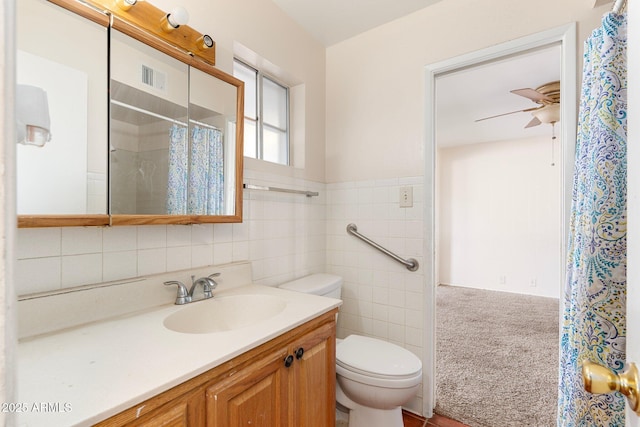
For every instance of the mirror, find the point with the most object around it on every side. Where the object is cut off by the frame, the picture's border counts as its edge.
(64, 177)
(165, 123)
(149, 113)
(172, 138)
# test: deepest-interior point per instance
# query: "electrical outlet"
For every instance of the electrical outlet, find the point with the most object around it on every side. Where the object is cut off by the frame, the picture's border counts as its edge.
(406, 197)
(503, 280)
(533, 283)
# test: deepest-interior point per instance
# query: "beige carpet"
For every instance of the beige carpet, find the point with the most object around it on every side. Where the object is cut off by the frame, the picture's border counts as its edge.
(497, 358)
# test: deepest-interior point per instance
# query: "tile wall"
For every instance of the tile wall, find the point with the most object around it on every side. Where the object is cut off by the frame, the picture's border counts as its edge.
(282, 234)
(381, 298)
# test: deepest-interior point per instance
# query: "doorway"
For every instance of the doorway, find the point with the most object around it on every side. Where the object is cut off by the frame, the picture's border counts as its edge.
(565, 38)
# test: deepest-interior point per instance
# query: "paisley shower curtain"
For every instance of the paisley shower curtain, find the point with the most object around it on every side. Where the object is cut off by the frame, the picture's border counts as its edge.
(178, 163)
(206, 172)
(594, 318)
(196, 172)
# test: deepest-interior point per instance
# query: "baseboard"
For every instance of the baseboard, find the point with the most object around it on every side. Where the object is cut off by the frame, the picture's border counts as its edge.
(408, 414)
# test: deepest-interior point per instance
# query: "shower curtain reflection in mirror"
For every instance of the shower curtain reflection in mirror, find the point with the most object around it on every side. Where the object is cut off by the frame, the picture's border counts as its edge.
(196, 171)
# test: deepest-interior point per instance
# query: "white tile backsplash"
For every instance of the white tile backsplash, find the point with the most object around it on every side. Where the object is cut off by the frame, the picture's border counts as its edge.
(152, 261)
(178, 258)
(38, 242)
(119, 265)
(178, 235)
(81, 240)
(48, 278)
(382, 298)
(152, 236)
(118, 239)
(81, 269)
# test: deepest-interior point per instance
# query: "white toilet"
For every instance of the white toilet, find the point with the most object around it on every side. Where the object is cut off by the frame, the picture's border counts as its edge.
(374, 377)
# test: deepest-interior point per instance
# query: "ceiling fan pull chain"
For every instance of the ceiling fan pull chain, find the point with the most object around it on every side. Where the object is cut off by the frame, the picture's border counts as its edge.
(553, 141)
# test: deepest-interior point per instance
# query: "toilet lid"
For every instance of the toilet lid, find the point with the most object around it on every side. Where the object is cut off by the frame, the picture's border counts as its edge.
(316, 284)
(374, 357)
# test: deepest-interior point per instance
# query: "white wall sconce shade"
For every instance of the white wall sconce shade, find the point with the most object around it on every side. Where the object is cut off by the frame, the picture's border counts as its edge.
(178, 16)
(32, 115)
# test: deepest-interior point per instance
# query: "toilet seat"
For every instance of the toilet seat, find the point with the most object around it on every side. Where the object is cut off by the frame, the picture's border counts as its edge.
(376, 362)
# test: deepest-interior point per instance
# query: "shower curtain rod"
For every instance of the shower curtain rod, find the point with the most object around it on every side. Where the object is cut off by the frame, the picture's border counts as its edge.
(618, 6)
(160, 116)
(148, 113)
(204, 125)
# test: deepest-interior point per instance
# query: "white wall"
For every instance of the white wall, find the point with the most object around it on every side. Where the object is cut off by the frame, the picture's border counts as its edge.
(264, 29)
(375, 81)
(499, 217)
(376, 95)
(7, 209)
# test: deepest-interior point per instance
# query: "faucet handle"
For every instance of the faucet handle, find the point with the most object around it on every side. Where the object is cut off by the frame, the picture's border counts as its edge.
(212, 282)
(183, 295)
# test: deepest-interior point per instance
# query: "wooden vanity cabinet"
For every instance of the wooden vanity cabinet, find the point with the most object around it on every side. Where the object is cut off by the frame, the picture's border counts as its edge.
(288, 381)
(186, 410)
(294, 386)
(313, 390)
(255, 396)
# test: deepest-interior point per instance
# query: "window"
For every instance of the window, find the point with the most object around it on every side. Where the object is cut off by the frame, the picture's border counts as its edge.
(266, 115)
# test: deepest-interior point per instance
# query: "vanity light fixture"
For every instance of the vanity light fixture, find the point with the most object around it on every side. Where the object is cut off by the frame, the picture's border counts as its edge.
(32, 115)
(125, 4)
(172, 20)
(204, 42)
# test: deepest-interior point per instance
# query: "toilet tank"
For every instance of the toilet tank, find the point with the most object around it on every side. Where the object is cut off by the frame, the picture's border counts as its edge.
(327, 285)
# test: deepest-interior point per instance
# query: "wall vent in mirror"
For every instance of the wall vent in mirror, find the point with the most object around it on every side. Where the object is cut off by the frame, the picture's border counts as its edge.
(154, 78)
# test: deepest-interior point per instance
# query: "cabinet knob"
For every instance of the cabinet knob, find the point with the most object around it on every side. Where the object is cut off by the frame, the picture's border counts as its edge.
(288, 361)
(299, 353)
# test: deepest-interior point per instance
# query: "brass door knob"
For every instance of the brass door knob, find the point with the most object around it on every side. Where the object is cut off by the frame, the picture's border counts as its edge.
(601, 380)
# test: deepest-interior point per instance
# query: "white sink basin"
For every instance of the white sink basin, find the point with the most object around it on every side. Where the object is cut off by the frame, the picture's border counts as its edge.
(222, 314)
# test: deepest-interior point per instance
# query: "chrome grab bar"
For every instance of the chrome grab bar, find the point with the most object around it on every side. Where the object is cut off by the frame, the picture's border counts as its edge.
(281, 190)
(410, 263)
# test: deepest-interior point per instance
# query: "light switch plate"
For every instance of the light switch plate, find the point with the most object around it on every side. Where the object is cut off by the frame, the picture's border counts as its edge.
(406, 197)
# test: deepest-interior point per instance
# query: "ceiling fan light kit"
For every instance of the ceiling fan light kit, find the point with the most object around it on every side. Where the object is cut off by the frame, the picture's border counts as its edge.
(546, 96)
(548, 114)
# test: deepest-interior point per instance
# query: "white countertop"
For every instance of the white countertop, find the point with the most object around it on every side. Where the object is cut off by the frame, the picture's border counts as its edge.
(86, 374)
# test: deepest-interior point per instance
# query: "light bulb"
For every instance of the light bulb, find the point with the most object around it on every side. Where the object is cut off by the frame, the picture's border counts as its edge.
(126, 4)
(178, 16)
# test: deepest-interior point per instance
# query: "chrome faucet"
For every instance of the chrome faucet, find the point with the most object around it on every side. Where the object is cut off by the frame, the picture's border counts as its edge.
(185, 297)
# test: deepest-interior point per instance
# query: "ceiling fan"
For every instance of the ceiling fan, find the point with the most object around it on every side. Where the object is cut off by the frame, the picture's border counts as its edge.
(548, 98)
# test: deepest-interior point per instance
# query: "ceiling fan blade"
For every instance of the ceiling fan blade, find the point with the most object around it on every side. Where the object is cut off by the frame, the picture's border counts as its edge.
(506, 114)
(534, 122)
(532, 94)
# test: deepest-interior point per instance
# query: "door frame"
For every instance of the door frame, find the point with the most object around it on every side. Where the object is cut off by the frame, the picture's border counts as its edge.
(566, 36)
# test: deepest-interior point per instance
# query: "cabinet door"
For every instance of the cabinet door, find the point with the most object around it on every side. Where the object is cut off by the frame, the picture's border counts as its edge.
(255, 396)
(313, 393)
(185, 411)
